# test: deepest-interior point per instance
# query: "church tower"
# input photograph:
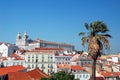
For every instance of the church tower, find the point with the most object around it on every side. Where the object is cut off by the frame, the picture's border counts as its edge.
(18, 39)
(25, 39)
(22, 41)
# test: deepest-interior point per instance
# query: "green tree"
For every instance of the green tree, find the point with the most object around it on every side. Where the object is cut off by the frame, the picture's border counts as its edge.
(96, 40)
(44, 79)
(61, 75)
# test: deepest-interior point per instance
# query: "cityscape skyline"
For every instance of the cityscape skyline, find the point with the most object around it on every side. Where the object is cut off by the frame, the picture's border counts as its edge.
(57, 20)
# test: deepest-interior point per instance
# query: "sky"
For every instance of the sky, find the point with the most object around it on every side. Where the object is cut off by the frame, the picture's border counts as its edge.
(58, 20)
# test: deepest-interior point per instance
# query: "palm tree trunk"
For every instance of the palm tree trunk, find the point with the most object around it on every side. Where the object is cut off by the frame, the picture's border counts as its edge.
(94, 70)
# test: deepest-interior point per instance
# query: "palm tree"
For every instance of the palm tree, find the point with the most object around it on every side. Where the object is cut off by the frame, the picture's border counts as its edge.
(96, 40)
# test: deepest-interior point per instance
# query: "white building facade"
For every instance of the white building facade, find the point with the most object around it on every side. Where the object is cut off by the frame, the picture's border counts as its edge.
(82, 75)
(28, 44)
(7, 49)
(13, 62)
(43, 60)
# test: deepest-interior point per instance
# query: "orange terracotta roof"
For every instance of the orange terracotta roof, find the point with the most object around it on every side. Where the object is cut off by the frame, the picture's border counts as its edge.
(16, 56)
(100, 78)
(110, 74)
(35, 74)
(69, 54)
(77, 67)
(6, 70)
(18, 76)
(63, 66)
(118, 62)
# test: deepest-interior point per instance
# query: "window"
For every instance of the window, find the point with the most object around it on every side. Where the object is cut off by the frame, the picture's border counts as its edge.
(36, 65)
(32, 66)
(80, 76)
(75, 76)
(36, 60)
(37, 56)
(42, 67)
(83, 75)
(48, 71)
(32, 56)
(28, 56)
(32, 59)
(29, 67)
(42, 60)
(86, 76)
(28, 59)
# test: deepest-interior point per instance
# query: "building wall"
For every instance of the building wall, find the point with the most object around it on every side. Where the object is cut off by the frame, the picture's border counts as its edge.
(82, 76)
(44, 61)
(7, 49)
(63, 59)
(11, 62)
(4, 50)
(25, 43)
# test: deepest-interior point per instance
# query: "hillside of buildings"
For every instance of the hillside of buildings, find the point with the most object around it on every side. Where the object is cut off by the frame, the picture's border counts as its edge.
(45, 57)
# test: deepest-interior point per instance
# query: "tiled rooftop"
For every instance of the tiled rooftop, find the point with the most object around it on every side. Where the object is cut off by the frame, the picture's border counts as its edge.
(6, 70)
(77, 67)
(35, 74)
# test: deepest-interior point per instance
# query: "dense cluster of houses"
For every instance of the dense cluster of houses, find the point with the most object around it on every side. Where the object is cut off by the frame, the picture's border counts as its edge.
(38, 56)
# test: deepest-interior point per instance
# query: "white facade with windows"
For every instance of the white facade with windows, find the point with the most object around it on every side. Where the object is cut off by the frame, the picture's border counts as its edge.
(7, 49)
(4, 50)
(82, 75)
(43, 60)
(63, 59)
(28, 44)
(11, 62)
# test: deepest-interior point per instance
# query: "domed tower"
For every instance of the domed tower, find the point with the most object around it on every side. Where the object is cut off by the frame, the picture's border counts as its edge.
(22, 42)
(25, 36)
(18, 39)
(25, 39)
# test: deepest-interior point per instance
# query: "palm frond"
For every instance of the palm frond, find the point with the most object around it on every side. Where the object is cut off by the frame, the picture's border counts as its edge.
(105, 41)
(81, 34)
(100, 44)
(99, 26)
(84, 40)
(87, 26)
(107, 35)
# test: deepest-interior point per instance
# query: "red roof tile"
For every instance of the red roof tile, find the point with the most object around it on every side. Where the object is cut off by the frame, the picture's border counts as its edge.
(6, 70)
(35, 74)
(63, 66)
(100, 78)
(110, 74)
(16, 56)
(69, 54)
(18, 76)
(76, 67)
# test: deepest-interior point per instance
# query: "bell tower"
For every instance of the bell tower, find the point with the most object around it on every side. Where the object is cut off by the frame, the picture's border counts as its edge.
(22, 41)
(18, 39)
(25, 39)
